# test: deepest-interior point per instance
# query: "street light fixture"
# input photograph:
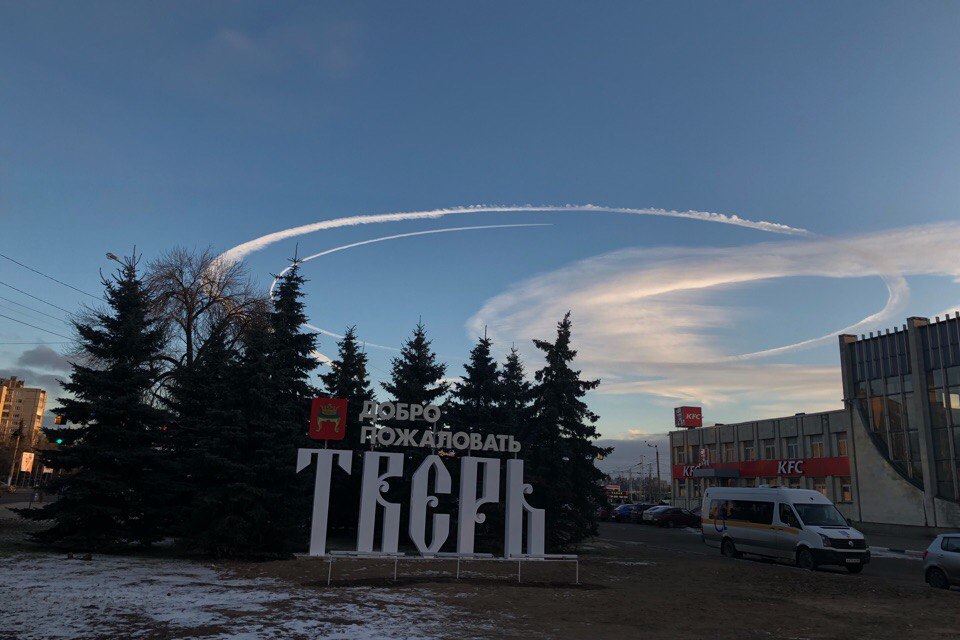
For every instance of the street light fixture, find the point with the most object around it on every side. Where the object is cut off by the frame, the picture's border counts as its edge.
(111, 256)
(656, 448)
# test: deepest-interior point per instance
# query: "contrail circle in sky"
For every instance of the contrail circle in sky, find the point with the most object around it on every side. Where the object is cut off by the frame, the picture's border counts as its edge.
(896, 286)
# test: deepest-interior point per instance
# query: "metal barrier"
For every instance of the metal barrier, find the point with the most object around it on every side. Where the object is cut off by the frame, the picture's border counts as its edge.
(335, 556)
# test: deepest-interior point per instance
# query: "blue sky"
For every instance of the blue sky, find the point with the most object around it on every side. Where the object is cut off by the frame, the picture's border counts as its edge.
(152, 125)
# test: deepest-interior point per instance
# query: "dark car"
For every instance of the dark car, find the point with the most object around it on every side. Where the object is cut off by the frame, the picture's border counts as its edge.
(604, 513)
(627, 513)
(674, 517)
(649, 513)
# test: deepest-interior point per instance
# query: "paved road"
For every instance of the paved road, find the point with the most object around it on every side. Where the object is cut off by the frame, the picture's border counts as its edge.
(688, 541)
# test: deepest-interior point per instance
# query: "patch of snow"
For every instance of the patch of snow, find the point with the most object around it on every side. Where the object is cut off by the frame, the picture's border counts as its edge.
(46, 596)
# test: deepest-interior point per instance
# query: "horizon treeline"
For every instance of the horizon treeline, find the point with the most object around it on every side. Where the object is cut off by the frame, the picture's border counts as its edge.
(190, 394)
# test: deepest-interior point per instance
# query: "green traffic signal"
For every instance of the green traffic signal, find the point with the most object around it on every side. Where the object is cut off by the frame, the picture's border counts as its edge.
(59, 440)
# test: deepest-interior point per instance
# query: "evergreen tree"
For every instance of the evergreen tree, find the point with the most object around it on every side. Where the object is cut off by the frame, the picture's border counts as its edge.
(213, 514)
(515, 396)
(415, 374)
(415, 378)
(348, 379)
(290, 364)
(559, 445)
(109, 493)
(476, 403)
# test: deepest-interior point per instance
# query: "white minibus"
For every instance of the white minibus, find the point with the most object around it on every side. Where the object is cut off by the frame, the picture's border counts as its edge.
(798, 525)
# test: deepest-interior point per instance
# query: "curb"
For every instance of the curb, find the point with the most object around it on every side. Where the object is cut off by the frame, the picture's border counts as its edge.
(907, 552)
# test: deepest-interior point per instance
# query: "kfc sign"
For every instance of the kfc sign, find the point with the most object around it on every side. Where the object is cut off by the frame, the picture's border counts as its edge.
(688, 417)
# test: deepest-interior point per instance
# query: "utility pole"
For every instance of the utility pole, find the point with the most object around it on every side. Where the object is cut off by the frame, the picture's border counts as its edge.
(656, 448)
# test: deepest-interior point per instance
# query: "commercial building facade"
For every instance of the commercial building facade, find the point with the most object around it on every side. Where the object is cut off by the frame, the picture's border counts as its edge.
(19, 403)
(890, 456)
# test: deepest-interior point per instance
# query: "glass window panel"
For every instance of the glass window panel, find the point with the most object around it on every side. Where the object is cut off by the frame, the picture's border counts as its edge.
(898, 449)
(938, 414)
(876, 387)
(876, 415)
(953, 376)
(941, 444)
(893, 385)
(954, 398)
(841, 449)
(894, 413)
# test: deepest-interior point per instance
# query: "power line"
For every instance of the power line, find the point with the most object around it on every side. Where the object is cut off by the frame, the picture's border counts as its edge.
(30, 317)
(58, 319)
(33, 326)
(30, 295)
(69, 286)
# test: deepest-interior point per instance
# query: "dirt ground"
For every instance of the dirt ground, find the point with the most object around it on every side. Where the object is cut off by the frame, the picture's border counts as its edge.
(629, 590)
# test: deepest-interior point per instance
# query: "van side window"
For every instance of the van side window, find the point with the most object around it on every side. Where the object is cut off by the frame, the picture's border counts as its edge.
(787, 516)
(742, 511)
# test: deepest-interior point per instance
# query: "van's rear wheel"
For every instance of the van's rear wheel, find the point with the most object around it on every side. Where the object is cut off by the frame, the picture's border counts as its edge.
(938, 579)
(805, 560)
(729, 550)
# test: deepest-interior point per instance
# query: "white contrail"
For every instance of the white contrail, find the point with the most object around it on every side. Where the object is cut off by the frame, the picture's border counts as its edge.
(340, 337)
(397, 236)
(240, 251)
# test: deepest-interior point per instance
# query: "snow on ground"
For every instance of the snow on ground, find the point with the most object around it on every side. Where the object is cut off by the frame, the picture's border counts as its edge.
(47, 596)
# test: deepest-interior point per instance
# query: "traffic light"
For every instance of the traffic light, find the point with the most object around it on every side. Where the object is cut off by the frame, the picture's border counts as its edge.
(59, 440)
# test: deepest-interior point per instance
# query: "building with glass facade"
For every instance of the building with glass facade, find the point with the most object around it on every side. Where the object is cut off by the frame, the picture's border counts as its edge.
(889, 456)
(902, 390)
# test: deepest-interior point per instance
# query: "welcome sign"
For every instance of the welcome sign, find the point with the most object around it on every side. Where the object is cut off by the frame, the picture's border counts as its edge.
(479, 486)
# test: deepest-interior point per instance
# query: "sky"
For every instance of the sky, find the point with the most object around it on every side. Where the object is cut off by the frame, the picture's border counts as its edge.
(148, 125)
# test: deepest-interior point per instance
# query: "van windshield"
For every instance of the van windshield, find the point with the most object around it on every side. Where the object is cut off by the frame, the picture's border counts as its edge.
(820, 515)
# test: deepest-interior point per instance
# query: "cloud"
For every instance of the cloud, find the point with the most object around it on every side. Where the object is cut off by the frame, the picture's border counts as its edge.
(648, 322)
(43, 357)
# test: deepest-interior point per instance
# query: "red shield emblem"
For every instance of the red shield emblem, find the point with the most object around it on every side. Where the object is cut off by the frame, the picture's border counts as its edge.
(328, 419)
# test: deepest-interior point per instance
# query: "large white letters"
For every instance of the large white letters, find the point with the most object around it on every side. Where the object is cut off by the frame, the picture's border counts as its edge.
(516, 507)
(371, 494)
(470, 502)
(321, 491)
(420, 500)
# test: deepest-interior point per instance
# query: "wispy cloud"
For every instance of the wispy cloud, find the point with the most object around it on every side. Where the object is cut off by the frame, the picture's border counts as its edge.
(647, 321)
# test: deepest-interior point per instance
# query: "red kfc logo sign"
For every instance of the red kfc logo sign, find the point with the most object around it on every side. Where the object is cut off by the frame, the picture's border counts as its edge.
(328, 419)
(688, 417)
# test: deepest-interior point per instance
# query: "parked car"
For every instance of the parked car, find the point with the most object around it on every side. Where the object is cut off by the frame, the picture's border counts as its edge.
(674, 517)
(604, 513)
(652, 511)
(622, 513)
(941, 561)
(639, 511)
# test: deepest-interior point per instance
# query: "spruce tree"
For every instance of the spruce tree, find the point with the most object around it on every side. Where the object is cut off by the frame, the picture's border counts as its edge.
(559, 445)
(415, 375)
(111, 461)
(475, 406)
(291, 363)
(515, 396)
(415, 378)
(348, 379)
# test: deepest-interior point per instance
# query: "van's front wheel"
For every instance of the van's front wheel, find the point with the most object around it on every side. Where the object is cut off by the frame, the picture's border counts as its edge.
(728, 550)
(805, 560)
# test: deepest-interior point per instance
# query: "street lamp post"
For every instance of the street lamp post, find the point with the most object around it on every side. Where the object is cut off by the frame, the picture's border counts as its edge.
(656, 449)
